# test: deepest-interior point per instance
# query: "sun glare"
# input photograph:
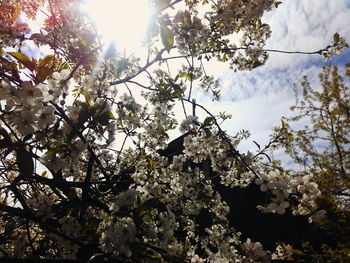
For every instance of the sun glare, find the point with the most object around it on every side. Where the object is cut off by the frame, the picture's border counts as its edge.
(122, 21)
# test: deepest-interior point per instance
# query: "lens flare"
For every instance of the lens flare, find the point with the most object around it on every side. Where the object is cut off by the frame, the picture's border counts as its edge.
(123, 22)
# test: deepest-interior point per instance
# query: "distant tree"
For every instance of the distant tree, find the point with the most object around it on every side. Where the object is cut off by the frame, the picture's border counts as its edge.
(86, 169)
(322, 149)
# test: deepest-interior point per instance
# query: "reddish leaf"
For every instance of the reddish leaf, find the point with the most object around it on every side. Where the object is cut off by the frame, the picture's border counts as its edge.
(23, 59)
(42, 74)
(43, 62)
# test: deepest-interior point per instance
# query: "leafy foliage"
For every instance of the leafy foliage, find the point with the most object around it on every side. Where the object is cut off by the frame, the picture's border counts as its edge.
(323, 150)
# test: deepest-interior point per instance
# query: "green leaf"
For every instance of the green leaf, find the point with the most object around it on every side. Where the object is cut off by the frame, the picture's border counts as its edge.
(167, 37)
(37, 36)
(278, 3)
(153, 256)
(14, 70)
(150, 161)
(257, 144)
(87, 97)
(283, 124)
(207, 131)
(182, 74)
(50, 152)
(111, 116)
(208, 121)
(83, 42)
(224, 58)
(23, 59)
(336, 38)
(268, 157)
(72, 195)
(291, 137)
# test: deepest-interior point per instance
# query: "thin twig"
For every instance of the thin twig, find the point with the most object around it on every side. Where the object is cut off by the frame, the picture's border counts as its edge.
(156, 59)
(142, 86)
(318, 52)
(184, 109)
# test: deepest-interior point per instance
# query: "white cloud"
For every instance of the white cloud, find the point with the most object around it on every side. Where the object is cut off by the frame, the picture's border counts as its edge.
(258, 99)
(305, 25)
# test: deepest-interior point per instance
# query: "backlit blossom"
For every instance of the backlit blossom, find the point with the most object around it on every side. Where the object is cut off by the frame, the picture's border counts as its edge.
(29, 94)
(256, 251)
(46, 116)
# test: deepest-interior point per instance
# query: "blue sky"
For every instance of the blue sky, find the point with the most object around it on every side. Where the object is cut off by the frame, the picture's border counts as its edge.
(258, 99)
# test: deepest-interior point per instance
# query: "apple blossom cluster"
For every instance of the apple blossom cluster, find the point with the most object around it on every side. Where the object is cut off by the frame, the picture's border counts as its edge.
(282, 186)
(155, 135)
(283, 252)
(197, 31)
(191, 122)
(253, 250)
(96, 83)
(235, 14)
(279, 188)
(256, 251)
(26, 107)
(124, 199)
(191, 35)
(339, 43)
(198, 147)
(119, 236)
(42, 205)
(233, 172)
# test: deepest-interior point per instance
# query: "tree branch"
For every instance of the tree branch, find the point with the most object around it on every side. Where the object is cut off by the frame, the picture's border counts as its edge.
(318, 52)
(127, 79)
